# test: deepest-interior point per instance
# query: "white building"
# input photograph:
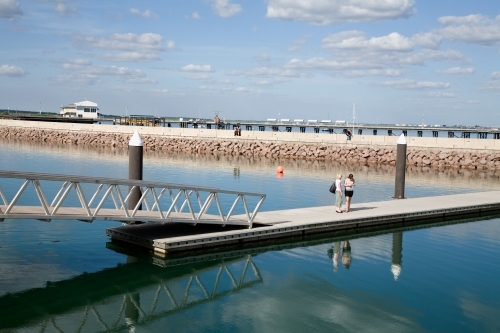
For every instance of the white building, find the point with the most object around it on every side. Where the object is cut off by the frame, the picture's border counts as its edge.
(85, 109)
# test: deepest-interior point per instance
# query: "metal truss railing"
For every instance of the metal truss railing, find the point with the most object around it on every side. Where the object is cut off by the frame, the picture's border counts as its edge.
(149, 304)
(163, 202)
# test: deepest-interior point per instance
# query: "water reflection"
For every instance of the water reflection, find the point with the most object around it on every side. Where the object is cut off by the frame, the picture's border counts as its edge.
(335, 253)
(122, 298)
(144, 292)
(397, 254)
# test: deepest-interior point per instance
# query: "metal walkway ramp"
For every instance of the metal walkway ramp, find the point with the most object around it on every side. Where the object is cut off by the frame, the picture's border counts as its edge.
(109, 198)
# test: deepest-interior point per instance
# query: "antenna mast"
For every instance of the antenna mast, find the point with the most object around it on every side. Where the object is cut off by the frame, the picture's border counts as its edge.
(353, 116)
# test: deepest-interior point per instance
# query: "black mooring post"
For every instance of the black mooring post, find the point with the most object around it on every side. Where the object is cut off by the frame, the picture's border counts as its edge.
(135, 153)
(397, 254)
(399, 191)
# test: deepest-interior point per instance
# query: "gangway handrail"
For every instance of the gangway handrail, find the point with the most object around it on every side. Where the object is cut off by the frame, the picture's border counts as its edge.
(114, 191)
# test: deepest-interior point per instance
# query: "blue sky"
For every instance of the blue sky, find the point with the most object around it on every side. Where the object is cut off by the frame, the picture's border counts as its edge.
(398, 61)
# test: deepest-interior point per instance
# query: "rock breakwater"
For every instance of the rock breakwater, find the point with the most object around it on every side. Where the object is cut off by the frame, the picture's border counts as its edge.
(482, 160)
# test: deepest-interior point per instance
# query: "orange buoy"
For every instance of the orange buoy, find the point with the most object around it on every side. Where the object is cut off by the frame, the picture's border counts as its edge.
(280, 169)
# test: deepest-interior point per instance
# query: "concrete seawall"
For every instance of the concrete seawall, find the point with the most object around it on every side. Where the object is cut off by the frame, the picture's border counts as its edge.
(438, 152)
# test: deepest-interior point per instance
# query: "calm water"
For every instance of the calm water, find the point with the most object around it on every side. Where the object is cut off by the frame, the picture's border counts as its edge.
(65, 276)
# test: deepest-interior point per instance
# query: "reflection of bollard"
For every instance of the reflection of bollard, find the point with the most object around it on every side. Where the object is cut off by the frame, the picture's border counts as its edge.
(397, 254)
(132, 302)
(135, 152)
(399, 191)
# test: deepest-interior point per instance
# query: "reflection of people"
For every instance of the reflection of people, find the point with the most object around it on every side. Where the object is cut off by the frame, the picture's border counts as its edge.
(346, 254)
(349, 191)
(237, 130)
(339, 193)
(336, 252)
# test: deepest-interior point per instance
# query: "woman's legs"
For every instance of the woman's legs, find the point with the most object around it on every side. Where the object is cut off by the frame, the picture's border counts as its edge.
(347, 204)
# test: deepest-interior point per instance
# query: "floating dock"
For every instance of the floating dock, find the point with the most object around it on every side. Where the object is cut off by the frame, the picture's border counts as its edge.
(271, 226)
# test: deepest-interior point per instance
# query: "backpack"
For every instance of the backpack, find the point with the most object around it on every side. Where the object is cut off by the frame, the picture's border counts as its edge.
(333, 188)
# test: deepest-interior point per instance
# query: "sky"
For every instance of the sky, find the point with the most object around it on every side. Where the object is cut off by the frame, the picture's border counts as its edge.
(367, 61)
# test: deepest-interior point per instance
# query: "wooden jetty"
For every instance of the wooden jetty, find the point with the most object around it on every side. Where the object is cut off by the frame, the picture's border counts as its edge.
(302, 222)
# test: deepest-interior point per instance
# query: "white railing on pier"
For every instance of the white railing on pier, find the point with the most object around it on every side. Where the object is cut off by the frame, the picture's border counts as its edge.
(159, 202)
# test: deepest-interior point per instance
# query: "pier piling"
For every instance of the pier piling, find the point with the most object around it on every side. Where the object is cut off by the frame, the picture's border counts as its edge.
(399, 191)
(135, 154)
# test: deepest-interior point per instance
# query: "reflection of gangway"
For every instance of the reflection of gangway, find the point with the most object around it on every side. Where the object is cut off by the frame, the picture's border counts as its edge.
(114, 300)
(163, 202)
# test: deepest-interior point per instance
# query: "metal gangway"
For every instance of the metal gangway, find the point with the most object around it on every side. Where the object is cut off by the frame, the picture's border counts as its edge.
(109, 200)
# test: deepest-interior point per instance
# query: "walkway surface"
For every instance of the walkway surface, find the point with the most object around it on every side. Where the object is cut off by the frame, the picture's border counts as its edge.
(169, 238)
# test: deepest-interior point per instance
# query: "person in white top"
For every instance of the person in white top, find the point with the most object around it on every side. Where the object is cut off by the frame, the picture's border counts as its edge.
(339, 192)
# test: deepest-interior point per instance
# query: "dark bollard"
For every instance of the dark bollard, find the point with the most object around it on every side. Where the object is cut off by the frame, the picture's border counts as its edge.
(397, 254)
(135, 152)
(399, 191)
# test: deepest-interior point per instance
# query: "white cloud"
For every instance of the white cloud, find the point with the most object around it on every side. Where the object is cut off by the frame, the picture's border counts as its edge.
(355, 40)
(79, 78)
(12, 71)
(242, 89)
(373, 72)
(10, 9)
(195, 16)
(456, 70)
(75, 64)
(122, 42)
(354, 55)
(84, 72)
(297, 44)
(441, 94)
(63, 8)
(322, 12)
(477, 29)
(145, 14)
(491, 86)
(262, 57)
(408, 84)
(197, 68)
(171, 45)
(139, 48)
(220, 81)
(266, 72)
(131, 57)
(198, 77)
(224, 8)
(428, 40)
(377, 52)
(264, 83)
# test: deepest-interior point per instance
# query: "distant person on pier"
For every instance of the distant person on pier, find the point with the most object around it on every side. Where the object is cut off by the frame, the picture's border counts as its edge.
(339, 192)
(348, 134)
(349, 191)
(237, 130)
